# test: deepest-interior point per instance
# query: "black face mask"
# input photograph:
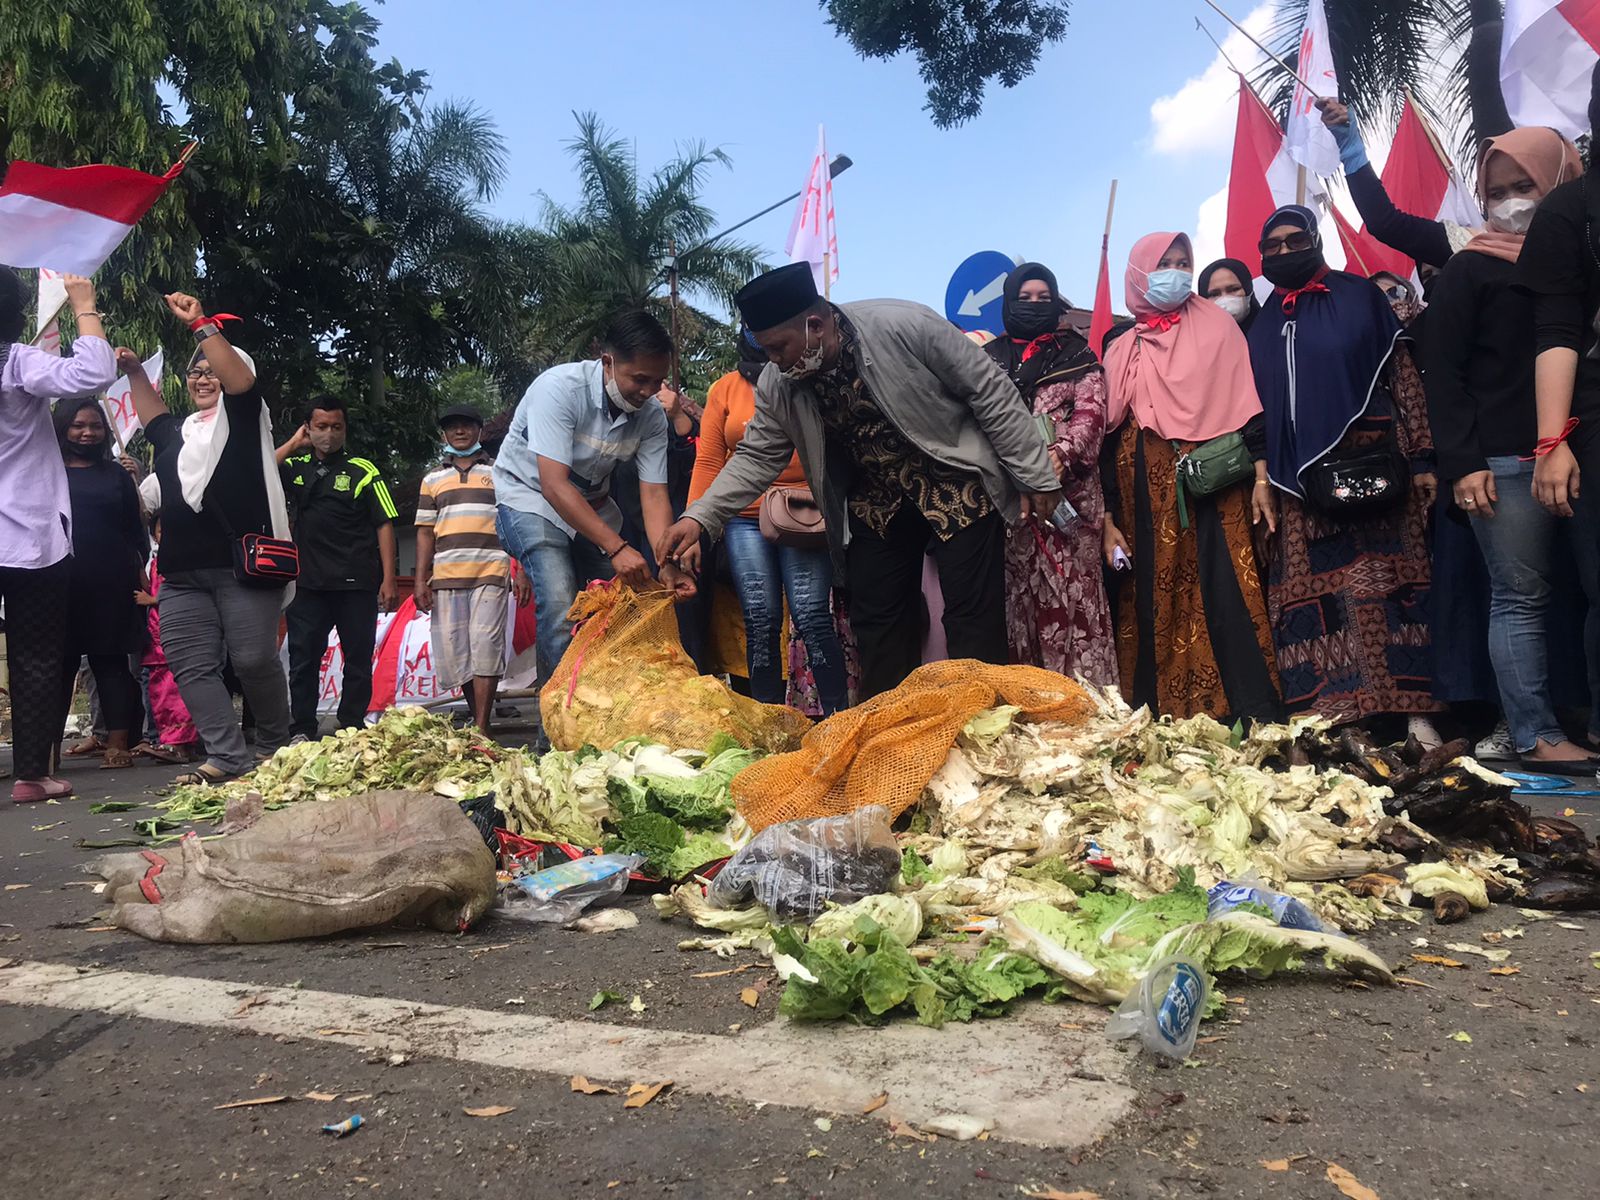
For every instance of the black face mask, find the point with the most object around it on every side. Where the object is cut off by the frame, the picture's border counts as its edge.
(94, 451)
(1032, 318)
(1292, 270)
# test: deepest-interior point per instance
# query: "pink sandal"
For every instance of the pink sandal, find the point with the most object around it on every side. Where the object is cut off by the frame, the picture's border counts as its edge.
(32, 791)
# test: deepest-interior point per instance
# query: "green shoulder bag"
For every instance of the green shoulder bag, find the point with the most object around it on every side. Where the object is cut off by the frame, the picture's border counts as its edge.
(1210, 468)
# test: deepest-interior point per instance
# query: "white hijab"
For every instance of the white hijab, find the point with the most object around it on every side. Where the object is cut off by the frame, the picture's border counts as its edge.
(205, 433)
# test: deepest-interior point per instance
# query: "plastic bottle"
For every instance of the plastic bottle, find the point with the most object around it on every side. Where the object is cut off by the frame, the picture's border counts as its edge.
(1163, 1012)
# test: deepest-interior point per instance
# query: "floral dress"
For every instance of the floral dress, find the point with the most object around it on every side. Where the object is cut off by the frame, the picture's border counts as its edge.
(1057, 615)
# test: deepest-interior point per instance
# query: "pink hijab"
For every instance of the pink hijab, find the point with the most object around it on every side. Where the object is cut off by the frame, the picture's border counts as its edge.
(1188, 379)
(1547, 157)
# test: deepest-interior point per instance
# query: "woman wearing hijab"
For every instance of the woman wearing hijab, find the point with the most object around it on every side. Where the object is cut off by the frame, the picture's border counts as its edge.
(109, 546)
(1192, 631)
(1056, 611)
(1346, 422)
(765, 574)
(219, 481)
(1226, 283)
(1480, 361)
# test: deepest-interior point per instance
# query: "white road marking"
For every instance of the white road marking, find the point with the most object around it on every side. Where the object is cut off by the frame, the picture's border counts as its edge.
(1038, 1083)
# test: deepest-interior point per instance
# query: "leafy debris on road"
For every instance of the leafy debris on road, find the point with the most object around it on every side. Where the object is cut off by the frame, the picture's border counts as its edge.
(640, 1094)
(493, 1110)
(1349, 1184)
(580, 1083)
(250, 1103)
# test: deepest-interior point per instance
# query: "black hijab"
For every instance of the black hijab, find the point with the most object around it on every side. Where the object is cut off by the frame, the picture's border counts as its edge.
(1243, 275)
(1032, 351)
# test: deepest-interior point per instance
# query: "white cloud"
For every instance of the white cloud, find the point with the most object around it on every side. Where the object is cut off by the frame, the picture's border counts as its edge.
(1199, 115)
(1209, 228)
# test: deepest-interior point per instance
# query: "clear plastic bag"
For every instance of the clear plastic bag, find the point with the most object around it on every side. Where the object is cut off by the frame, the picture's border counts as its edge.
(796, 868)
(1226, 896)
(1163, 1012)
(561, 893)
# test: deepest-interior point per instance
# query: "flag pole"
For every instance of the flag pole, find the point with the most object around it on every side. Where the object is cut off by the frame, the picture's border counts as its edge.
(1286, 67)
(672, 277)
(1111, 207)
(827, 276)
(1218, 45)
(111, 424)
(1427, 128)
(1300, 186)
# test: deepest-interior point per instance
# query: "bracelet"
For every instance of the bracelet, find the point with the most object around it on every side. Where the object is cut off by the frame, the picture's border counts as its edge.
(618, 550)
(1547, 445)
(91, 313)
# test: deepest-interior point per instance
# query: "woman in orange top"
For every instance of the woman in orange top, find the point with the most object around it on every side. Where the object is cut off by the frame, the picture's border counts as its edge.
(764, 573)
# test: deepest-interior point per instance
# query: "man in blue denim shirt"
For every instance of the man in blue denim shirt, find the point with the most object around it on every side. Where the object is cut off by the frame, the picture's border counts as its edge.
(553, 476)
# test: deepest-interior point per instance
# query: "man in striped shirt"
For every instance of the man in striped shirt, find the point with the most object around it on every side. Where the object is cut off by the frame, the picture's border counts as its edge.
(344, 526)
(462, 571)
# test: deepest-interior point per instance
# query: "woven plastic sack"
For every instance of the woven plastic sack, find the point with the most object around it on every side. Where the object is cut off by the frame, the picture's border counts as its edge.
(885, 750)
(308, 870)
(626, 674)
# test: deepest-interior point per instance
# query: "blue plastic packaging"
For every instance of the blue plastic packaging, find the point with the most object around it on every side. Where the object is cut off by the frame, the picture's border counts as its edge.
(1288, 912)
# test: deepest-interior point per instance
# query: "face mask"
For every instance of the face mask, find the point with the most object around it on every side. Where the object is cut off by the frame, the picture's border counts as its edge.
(614, 393)
(1237, 307)
(91, 451)
(1032, 318)
(326, 443)
(1514, 215)
(467, 453)
(810, 360)
(1168, 289)
(1292, 270)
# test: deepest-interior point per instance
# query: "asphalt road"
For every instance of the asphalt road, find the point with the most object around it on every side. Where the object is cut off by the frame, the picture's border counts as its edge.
(1302, 1072)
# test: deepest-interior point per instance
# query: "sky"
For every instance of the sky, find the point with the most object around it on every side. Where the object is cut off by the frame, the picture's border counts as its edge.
(1145, 100)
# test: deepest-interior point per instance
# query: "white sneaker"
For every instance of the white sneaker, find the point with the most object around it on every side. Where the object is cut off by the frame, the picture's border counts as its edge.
(299, 739)
(1497, 747)
(1422, 729)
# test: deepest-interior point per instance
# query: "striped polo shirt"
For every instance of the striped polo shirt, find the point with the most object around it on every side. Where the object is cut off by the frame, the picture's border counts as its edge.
(459, 507)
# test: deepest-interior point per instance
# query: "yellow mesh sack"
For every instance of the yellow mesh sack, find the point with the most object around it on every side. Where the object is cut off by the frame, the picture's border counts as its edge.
(627, 675)
(885, 750)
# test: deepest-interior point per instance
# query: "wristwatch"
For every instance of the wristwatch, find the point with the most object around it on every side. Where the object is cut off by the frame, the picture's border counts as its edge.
(209, 329)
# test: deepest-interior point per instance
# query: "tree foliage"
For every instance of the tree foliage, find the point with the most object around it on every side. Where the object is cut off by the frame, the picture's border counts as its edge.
(960, 45)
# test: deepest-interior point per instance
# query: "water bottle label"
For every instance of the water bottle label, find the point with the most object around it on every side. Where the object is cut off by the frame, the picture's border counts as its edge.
(1180, 1007)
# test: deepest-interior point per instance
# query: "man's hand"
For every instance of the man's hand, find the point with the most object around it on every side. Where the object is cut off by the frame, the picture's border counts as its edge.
(1555, 480)
(1426, 488)
(185, 307)
(422, 593)
(521, 588)
(631, 567)
(301, 440)
(143, 599)
(1475, 494)
(132, 466)
(80, 293)
(680, 544)
(1058, 464)
(671, 402)
(127, 361)
(1333, 112)
(388, 594)
(681, 583)
(1039, 504)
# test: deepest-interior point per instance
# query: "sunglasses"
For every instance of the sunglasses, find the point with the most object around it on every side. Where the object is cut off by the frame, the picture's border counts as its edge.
(1395, 292)
(1291, 243)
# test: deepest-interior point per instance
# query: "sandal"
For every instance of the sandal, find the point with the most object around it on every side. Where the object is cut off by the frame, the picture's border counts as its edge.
(115, 760)
(176, 755)
(83, 749)
(205, 775)
(32, 791)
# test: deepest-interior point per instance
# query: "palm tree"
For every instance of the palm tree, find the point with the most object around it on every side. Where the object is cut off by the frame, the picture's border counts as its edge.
(1385, 48)
(612, 250)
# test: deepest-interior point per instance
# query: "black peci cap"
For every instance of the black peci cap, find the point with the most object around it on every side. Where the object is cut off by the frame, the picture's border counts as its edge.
(778, 296)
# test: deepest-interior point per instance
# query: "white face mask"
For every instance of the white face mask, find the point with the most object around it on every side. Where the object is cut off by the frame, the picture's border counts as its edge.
(1237, 307)
(1513, 215)
(810, 361)
(614, 391)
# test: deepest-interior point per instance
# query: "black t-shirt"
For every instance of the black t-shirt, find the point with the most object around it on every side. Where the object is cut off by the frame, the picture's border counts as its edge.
(192, 541)
(1557, 267)
(339, 503)
(1479, 364)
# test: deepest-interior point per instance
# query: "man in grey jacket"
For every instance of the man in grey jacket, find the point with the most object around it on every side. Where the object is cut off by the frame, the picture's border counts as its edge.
(911, 439)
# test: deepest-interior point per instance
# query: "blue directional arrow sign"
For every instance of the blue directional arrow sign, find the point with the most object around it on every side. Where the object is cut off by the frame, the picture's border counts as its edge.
(974, 298)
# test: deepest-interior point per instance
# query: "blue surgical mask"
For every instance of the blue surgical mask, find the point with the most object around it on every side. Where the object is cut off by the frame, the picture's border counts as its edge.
(467, 453)
(1168, 289)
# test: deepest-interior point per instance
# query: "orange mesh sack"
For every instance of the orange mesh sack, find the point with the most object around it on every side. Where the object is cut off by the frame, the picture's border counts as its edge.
(885, 750)
(627, 675)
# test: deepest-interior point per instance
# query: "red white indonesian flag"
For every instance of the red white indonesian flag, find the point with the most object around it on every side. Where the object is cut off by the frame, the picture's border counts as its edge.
(1547, 54)
(812, 236)
(70, 219)
(1264, 176)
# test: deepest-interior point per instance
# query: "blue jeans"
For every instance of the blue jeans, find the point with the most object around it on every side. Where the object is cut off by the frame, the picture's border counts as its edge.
(1518, 546)
(557, 566)
(763, 575)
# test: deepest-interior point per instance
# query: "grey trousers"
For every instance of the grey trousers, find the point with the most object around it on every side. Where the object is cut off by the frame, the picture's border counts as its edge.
(208, 620)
